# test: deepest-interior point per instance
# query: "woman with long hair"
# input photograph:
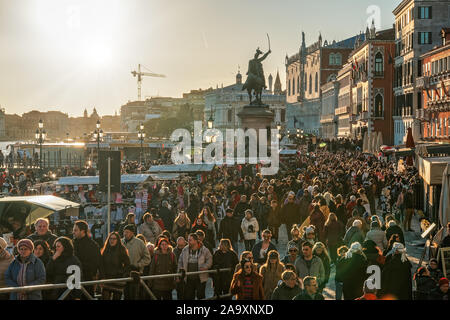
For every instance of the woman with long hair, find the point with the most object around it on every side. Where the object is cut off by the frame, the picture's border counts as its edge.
(57, 266)
(320, 251)
(163, 262)
(334, 232)
(114, 263)
(224, 257)
(181, 225)
(271, 272)
(209, 219)
(317, 219)
(199, 224)
(42, 251)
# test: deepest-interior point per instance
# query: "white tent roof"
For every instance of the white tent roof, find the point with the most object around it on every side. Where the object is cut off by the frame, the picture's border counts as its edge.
(165, 176)
(49, 202)
(78, 180)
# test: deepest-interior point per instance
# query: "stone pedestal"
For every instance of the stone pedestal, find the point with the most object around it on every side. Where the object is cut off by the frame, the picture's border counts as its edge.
(256, 117)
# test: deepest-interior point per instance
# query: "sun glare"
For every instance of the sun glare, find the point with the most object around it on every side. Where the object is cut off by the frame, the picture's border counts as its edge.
(97, 55)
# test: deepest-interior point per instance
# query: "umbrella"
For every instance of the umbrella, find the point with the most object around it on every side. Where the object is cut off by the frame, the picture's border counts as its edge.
(365, 142)
(409, 144)
(29, 209)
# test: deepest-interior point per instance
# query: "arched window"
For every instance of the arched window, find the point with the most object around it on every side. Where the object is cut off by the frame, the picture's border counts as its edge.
(310, 84)
(379, 106)
(332, 61)
(293, 86)
(289, 89)
(316, 87)
(379, 70)
(338, 59)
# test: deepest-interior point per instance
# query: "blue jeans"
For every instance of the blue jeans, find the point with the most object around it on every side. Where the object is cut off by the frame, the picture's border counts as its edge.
(339, 286)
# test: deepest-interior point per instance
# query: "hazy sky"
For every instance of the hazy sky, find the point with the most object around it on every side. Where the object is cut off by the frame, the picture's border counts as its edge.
(67, 55)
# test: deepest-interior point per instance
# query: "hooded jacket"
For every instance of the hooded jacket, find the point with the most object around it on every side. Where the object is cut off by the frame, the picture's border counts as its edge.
(245, 224)
(204, 261)
(316, 269)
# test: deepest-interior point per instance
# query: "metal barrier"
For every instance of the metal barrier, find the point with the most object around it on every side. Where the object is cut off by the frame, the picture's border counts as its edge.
(134, 277)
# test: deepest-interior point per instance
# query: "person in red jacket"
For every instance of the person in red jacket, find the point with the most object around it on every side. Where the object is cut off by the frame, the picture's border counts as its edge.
(369, 294)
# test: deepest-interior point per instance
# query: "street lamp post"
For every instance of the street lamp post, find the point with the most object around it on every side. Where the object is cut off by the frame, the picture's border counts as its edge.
(141, 136)
(40, 138)
(98, 135)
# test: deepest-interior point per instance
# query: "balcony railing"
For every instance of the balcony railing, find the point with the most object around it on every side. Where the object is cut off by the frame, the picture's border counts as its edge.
(342, 110)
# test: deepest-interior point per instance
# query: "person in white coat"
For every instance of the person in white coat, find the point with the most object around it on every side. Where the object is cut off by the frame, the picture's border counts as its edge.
(250, 228)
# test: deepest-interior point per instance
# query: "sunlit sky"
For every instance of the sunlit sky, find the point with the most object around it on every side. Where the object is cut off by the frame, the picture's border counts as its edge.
(69, 55)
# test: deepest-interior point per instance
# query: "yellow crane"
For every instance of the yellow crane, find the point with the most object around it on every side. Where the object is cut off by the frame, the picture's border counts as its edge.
(140, 74)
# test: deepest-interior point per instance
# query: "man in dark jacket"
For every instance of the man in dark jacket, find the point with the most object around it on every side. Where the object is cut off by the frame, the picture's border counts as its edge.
(42, 232)
(230, 228)
(290, 214)
(310, 292)
(87, 251)
(394, 229)
(268, 245)
(166, 215)
(239, 210)
(441, 292)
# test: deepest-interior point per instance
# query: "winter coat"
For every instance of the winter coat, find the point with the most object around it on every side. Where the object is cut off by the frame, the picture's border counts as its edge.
(245, 224)
(273, 217)
(239, 210)
(424, 286)
(341, 214)
(354, 234)
(257, 280)
(35, 275)
(163, 264)
(114, 264)
(230, 228)
(379, 237)
(317, 219)
(204, 261)
(167, 217)
(437, 294)
(303, 207)
(396, 278)
(138, 253)
(283, 292)
(290, 214)
(353, 275)
(271, 277)
(326, 265)
(334, 233)
(304, 296)
(56, 271)
(48, 237)
(223, 260)
(88, 252)
(256, 251)
(181, 231)
(5, 261)
(150, 231)
(316, 270)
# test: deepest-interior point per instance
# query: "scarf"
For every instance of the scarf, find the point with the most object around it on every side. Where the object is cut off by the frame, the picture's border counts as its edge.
(399, 247)
(22, 277)
(355, 248)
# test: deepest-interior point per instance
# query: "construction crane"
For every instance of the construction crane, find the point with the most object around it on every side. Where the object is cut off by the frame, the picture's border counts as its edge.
(140, 74)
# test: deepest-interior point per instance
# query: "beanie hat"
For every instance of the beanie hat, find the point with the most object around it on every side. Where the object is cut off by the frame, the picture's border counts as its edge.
(357, 223)
(27, 243)
(3, 243)
(130, 227)
(443, 281)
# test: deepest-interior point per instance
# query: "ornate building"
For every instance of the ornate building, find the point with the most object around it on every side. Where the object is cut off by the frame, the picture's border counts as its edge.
(306, 72)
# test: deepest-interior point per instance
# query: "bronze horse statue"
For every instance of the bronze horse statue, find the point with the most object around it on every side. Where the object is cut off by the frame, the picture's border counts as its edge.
(256, 80)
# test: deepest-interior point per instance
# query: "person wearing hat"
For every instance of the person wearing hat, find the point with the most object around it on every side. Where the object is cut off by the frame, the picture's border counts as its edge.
(354, 272)
(292, 254)
(441, 292)
(396, 277)
(25, 270)
(130, 219)
(139, 257)
(150, 229)
(5, 260)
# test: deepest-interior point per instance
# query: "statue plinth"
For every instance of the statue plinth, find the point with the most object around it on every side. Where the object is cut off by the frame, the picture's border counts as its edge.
(256, 117)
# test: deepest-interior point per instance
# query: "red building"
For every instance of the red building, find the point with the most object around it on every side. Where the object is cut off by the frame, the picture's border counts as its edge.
(435, 83)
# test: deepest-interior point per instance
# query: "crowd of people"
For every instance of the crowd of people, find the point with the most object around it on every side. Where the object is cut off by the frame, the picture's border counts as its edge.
(343, 211)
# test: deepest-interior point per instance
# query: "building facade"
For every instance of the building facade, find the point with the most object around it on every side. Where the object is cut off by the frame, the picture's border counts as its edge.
(306, 72)
(330, 94)
(372, 73)
(417, 30)
(435, 85)
(343, 111)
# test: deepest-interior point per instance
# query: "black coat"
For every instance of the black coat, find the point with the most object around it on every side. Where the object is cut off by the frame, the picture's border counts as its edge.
(396, 278)
(395, 230)
(167, 217)
(230, 228)
(334, 233)
(114, 264)
(290, 213)
(222, 260)
(239, 210)
(354, 273)
(256, 250)
(424, 286)
(56, 272)
(48, 237)
(88, 252)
